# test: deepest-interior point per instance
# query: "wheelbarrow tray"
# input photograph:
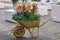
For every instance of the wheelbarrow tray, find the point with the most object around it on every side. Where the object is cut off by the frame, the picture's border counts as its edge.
(29, 24)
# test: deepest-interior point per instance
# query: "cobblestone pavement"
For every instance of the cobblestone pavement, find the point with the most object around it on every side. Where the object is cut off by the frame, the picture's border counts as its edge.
(49, 31)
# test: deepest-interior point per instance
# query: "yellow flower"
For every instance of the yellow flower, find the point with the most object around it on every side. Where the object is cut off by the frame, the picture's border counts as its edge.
(36, 12)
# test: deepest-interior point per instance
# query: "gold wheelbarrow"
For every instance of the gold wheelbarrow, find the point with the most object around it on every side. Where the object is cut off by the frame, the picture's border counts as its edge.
(19, 30)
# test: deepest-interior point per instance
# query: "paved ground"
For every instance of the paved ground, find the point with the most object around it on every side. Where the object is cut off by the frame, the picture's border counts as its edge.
(49, 31)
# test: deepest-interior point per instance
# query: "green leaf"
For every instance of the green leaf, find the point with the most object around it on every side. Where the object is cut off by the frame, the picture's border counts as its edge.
(24, 19)
(37, 17)
(31, 17)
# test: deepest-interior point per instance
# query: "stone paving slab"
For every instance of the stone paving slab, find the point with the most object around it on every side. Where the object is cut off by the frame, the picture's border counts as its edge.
(4, 36)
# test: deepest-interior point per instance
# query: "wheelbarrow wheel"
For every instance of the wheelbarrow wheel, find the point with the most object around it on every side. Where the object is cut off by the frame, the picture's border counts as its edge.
(19, 31)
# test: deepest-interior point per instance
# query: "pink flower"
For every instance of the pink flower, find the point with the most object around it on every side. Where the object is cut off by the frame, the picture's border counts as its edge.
(20, 9)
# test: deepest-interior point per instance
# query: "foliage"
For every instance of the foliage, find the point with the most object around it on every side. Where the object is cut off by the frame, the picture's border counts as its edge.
(58, 3)
(26, 17)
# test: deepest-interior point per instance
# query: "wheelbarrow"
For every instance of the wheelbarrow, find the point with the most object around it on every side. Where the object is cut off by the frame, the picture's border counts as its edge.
(19, 30)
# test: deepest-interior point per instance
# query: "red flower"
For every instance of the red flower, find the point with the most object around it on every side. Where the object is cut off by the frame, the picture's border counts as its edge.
(20, 8)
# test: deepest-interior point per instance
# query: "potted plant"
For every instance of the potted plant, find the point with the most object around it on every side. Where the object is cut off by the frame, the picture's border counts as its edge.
(27, 16)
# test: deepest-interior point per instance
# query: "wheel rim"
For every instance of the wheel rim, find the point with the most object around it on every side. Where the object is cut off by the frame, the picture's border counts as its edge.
(19, 31)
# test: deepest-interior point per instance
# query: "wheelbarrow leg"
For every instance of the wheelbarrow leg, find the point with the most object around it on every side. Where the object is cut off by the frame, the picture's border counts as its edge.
(37, 35)
(30, 31)
(38, 32)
